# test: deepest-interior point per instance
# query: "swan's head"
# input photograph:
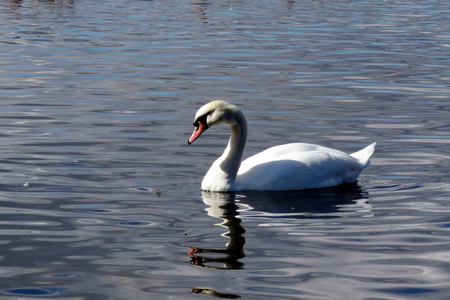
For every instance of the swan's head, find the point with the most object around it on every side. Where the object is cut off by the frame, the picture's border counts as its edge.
(212, 114)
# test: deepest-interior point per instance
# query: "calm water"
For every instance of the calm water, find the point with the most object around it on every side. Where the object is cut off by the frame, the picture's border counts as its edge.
(97, 101)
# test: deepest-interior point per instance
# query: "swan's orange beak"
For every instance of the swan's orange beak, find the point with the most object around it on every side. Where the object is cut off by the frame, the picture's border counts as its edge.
(197, 132)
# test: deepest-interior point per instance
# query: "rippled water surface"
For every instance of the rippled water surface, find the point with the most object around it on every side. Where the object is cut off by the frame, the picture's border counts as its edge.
(100, 193)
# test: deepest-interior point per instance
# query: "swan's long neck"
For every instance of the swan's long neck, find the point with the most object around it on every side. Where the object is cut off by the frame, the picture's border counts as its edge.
(232, 156)
(222, 174)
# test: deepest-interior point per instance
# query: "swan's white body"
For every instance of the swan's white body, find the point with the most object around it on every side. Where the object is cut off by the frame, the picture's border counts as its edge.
(286, 167)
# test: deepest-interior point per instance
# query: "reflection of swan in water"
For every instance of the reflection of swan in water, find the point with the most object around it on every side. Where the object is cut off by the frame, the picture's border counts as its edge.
(214, 293)
(222, 206)
(318, 203)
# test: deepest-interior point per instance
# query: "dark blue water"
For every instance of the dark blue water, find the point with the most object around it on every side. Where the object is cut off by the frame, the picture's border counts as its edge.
(100, 193)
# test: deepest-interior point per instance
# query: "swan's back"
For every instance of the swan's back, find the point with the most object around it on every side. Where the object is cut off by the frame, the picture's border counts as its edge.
(301, 166)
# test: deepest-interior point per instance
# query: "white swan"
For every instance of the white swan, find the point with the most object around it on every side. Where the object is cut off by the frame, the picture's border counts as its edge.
(294, 166)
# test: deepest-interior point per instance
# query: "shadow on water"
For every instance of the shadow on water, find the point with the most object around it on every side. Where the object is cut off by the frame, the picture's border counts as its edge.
(306, 204)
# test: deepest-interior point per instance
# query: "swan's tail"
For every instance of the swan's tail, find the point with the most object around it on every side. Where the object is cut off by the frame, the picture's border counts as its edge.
(363, 155)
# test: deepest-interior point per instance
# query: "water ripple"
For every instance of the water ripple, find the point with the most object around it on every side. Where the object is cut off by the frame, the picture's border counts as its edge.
(100, 189)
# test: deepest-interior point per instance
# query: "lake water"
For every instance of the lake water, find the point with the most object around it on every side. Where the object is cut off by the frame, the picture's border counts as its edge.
(97, 100)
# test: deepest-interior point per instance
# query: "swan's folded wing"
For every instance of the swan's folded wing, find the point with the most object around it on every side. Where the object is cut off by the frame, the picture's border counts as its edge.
(297, 166)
